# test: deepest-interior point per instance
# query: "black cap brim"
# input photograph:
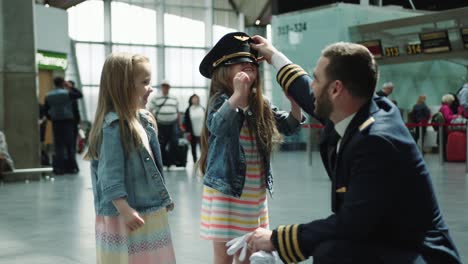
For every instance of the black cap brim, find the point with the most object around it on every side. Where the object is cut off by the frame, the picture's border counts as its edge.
(240, 60)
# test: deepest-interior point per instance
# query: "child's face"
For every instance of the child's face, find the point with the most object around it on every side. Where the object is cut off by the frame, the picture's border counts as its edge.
(142, 83)
(247, 67)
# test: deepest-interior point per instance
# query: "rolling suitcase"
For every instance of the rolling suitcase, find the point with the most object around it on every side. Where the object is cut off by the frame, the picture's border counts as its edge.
(181, 152)
(456, 146)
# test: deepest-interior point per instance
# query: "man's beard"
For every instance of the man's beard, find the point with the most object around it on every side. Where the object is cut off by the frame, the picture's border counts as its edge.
(324, 107)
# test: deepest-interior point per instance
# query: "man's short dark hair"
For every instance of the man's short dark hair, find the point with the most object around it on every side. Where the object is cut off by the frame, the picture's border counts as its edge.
(353, 65)
(72, 83)
(59, 82)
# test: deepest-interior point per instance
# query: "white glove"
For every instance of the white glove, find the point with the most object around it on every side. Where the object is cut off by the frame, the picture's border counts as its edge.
(236, 244)
(263, 257)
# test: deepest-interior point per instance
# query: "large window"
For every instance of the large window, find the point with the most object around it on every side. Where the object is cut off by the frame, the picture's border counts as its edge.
(174, 41)
(90, 58)
(133, 24)
(148, 51)
(86, 21)
(182, 67)
(181, 31)
(223, 22)
(90, 95)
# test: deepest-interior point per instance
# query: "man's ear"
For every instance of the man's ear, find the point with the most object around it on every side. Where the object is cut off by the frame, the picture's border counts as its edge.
(336, 88)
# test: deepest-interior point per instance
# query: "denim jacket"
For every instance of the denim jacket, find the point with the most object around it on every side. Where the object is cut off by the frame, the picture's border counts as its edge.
(226, 165)
(133, 176)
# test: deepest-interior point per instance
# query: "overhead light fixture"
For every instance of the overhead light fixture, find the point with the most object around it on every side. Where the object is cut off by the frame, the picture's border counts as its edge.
(257, 22)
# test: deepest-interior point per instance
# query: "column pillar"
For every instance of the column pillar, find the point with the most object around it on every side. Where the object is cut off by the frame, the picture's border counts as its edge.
(18, 82)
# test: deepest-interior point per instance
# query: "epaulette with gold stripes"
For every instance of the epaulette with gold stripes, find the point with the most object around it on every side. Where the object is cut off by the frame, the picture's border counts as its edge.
(288, 74)
(288, 244)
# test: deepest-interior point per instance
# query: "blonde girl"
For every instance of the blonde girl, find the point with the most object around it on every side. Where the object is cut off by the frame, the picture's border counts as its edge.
(130, 197)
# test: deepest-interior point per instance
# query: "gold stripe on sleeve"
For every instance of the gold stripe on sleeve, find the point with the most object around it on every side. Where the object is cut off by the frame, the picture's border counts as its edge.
(288, 244)
(294, 77)
(281, 244)
(283, 70)
(287, 75)
(297, 250)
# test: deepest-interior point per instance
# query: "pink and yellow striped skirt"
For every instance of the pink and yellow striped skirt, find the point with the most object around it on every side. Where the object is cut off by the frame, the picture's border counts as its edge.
(152, 243)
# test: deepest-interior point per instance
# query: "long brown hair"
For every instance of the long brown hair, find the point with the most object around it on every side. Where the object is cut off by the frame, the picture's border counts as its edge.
(117, 93)
(262, 122)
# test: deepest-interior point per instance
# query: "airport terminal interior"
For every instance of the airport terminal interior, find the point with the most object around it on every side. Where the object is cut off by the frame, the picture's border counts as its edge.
(47, 213)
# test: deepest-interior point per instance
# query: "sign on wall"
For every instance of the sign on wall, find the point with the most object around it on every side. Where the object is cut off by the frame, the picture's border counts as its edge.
(464, 36)
(412, 49)
(435, 42)
(392, 51)
(48, 60)
(374, 46)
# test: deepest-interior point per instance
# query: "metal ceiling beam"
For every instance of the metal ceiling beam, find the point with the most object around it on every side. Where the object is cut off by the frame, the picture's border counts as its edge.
(63, 4)
(234, 6)
(264, 9)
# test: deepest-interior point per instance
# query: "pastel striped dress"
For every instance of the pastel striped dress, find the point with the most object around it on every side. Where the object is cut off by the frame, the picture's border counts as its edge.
(149, 244)
(225, 217)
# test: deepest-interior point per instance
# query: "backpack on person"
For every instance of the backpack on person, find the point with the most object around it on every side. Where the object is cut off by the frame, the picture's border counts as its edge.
(437, 120)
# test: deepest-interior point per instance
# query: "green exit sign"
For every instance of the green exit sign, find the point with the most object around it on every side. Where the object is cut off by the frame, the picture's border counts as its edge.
(48, 60)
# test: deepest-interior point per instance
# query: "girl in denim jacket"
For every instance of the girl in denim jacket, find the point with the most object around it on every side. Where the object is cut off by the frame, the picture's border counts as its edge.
(237, 139)
(130, 198)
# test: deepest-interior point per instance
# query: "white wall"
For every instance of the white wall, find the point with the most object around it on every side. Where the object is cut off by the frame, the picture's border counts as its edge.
(51, 29)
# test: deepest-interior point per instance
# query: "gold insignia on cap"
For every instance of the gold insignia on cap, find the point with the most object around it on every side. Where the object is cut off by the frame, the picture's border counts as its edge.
(341, 190)
(241, 38)
(367, 123)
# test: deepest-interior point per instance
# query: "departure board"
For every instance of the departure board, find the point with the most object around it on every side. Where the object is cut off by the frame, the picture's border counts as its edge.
(392, 51)
(412, 49)
(435, 42)
(464, 34)
(374, 46)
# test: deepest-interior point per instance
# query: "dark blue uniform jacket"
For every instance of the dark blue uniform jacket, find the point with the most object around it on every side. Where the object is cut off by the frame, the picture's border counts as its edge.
(381, 188)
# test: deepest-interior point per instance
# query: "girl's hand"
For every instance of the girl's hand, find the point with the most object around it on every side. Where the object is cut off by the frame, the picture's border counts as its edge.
(132, 219)
(241, 84)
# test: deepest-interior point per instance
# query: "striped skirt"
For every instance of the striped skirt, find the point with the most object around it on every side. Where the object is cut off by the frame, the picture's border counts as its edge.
(151, 243)
(224, 217)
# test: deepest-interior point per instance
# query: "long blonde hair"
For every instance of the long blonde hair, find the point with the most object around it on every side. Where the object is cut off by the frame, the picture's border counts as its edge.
(262, 122)
(117, 93)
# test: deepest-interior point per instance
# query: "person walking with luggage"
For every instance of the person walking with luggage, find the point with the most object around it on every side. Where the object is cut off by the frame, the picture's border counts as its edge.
(165, 109)
(130, 198)
(193, 121)
(237, 138)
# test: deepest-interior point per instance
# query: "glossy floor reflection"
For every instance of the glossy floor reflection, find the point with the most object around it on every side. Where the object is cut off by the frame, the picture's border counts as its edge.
(52, 221)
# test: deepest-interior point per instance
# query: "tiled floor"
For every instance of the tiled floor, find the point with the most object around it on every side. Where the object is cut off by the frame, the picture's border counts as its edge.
(53, 221)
